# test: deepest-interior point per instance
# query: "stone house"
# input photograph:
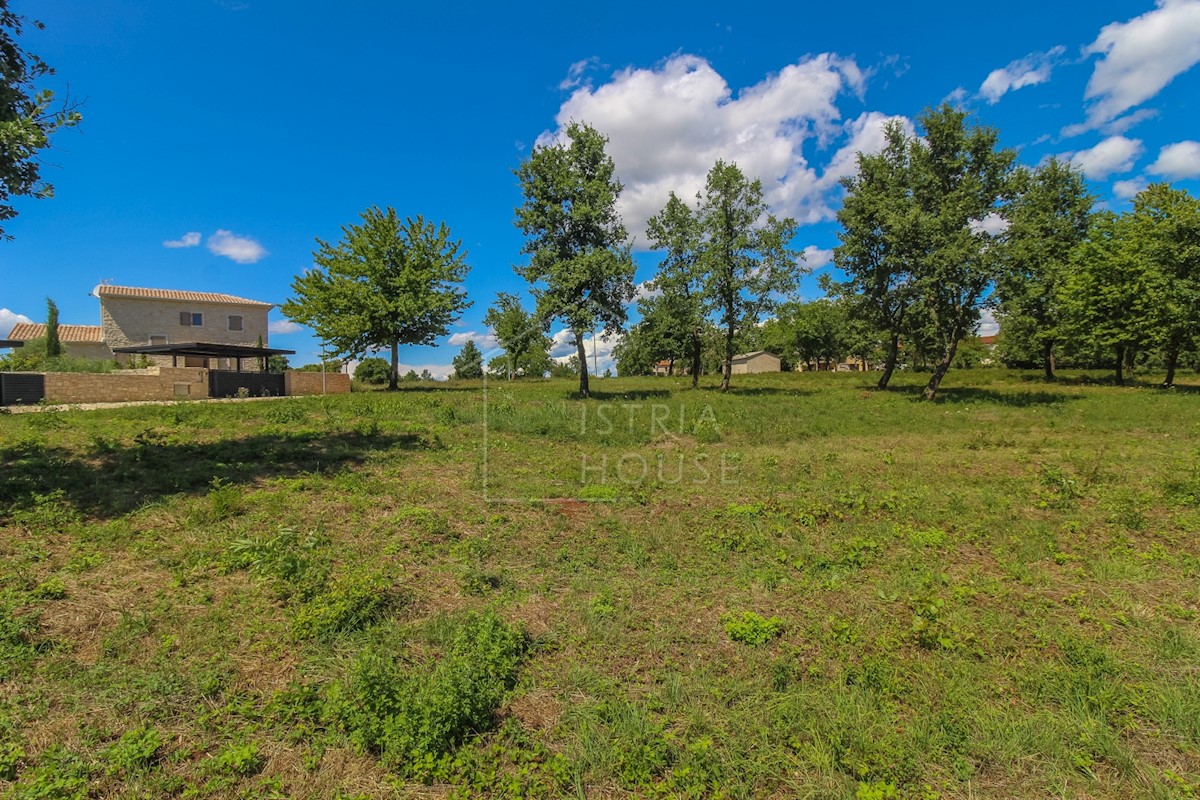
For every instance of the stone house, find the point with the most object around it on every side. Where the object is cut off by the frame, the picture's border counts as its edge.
(78, 341)
(131, 316)
(134, 316)
(757, 361)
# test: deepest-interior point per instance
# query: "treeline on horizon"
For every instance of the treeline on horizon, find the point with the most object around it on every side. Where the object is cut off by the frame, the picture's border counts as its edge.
(935, 228)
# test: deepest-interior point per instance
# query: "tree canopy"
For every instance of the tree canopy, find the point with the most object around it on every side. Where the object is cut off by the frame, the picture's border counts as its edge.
(580, 263)
(29, 116)
(388, 282)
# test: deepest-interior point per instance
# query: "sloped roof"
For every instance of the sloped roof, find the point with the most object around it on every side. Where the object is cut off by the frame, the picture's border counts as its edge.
(748, 356)
(66, 333)
(138, 293)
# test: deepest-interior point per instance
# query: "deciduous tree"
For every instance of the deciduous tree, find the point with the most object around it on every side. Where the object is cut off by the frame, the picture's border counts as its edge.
(29, 116)
(388, 282)
(520, 333)
(580, 263)
(1049, 218)
(1166, 235)
(680, 281)
(744, 255)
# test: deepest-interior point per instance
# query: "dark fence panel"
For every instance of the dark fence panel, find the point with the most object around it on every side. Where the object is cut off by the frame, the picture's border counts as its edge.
(21, 388)
(227, 383)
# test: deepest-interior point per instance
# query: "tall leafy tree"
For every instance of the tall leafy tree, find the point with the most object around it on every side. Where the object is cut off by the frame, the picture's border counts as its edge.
(469, 361)
(388, 282)
(580, 263)
(743, 254)
(520, 333)
(1112, 296)
(1166, 231)
(676, 230)
(1049, 218)
(29, 116)
(960, 178)
(879, 242)
(54, 346)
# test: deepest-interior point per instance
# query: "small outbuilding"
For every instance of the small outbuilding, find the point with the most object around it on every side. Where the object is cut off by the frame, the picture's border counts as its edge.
(758, 361)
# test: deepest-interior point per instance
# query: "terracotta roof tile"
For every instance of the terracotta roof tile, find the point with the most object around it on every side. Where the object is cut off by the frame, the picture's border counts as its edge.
(25, 331)
(104, 290)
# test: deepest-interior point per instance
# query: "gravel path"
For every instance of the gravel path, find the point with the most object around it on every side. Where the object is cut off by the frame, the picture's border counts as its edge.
(34, 409)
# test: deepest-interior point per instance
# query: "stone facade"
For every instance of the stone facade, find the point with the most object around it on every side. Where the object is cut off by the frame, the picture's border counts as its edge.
(154, 383)
(752, 363)
(302, 383)
(131, 321)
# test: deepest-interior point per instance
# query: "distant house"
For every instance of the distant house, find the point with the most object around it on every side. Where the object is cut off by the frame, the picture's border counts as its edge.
(988, 341)
(758, 361)
(132, 316)
(662, 368)
(79, 341)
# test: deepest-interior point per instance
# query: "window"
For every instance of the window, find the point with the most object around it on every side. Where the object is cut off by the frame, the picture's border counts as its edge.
(190, 319)
(156, 338)
(235, 322)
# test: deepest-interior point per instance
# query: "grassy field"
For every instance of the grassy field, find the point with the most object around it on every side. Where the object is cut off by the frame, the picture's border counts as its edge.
(803, 588)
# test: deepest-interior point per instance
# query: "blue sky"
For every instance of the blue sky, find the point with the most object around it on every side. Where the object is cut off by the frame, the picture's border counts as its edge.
(239, 130)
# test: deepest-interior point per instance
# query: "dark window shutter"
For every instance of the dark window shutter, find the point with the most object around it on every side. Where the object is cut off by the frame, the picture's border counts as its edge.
(185, 318)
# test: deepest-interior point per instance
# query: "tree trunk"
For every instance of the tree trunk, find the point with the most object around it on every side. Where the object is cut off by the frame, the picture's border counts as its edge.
(727, 369)
(1172, 362)
(940, 371)
(394, 377)
(671, 367)
(695, 358)
(1048, 359)
(583, 371)
(889, 365)
(1120, 364)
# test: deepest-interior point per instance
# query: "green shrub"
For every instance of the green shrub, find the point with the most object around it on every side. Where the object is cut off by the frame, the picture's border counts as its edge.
(16, 637)
(11, 757)
(58, 775)
(414, 718)
(52, 588)
(752, 629)
(240, 758)
(134, 751)
(287, 556)
(373, 370)
(351, 603)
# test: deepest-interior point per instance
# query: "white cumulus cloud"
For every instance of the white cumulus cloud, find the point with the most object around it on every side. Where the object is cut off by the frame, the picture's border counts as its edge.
(1139, 58)
(669, 124)
(815, 257)
(988, 326)
(283, 326)
(1116, 154)
(993, 225)
(8, 319)
(1178, 161)
(241, 249)
(189, 239)
(1031, 70)
(1128, 189)
(486, 341)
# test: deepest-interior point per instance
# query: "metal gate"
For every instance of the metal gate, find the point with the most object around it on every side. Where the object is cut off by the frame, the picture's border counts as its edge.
(22, 388)
(227, 383)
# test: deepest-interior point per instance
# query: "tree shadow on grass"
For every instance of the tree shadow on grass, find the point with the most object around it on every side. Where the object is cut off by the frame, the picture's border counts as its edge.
(633, 394)
(973, 394)
(112, 480)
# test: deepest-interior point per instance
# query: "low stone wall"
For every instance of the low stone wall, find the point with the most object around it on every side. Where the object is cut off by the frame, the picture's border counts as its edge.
(301, 383)
(153, 383)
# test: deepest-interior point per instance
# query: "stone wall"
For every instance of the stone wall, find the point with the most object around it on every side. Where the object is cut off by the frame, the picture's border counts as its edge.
(301, 383)
(153, 383)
